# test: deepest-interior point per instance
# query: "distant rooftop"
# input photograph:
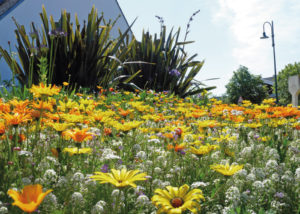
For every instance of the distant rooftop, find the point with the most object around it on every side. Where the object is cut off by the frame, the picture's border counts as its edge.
(5, 5)
(268, 80)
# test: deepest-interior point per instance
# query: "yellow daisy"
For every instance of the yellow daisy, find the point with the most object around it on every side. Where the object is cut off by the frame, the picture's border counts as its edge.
(226, 169)
(120, 178)
(75, 150)
(177, 200)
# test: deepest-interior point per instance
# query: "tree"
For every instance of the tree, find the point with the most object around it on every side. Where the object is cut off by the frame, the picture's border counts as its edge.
(245, 85)
(283, 90)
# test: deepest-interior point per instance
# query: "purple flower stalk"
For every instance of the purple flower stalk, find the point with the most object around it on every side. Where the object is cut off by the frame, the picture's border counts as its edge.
(104, 168)
(174, 72)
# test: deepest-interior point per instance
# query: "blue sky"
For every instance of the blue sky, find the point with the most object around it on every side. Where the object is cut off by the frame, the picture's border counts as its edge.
(226, 32)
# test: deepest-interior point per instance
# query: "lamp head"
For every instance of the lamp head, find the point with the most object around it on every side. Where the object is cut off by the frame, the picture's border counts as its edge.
(264, 36)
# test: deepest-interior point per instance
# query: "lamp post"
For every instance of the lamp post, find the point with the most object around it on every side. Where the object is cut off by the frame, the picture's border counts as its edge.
(273, 45)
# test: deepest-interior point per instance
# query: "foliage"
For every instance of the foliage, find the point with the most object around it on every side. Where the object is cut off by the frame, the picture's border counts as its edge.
(171, 69)
(246, 85)
(78, 55)
(283, 89)
(59, 141)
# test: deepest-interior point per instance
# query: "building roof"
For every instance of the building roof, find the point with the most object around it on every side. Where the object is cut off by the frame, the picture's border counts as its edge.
(7, 5)
(268, 80)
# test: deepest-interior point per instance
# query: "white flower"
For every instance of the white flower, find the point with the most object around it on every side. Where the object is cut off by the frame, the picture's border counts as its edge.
(287, 177)
(198, 184)
(97, 209)
(117, 143)
(62, 182)
(251, 177)
(89, 181)
(141, 155)
(246, 152)
(232, 195)
(24, 153)
(166, 183)
(77, 199)
(157, 170)
(26, 181)
(275, 177)
(117, 194)
(273, 154)
(297, 175)
(109, 154)
(50, 202)
(272, 166)
(78, 177)
(259, 173)
(258, 185)
(137, 147)
(154, 141)
(142, 200)
(149, 163)
(3, 210)
(50, 176)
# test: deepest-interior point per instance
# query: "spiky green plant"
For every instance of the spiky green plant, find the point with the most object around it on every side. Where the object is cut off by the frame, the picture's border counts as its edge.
(77, 54)
(171, 69)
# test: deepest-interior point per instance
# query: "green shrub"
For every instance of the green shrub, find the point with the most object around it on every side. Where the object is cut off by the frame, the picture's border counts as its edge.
(283, 89)
(246, 85)
(171, 69)
(78, 55)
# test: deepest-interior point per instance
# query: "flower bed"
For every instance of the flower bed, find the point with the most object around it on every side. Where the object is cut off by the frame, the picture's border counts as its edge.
(146, 153)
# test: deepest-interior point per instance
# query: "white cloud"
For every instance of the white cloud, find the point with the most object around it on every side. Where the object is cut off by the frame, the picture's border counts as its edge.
(246, 18)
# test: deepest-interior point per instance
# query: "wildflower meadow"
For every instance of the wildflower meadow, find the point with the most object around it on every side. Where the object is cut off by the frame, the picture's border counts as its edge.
(146, 152)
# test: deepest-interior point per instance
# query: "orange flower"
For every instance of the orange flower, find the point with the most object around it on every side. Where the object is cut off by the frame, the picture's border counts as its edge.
(29, 198)
(20, 106)
(21, 138)
(123, 112)
(55, 152)
(43, 106)
(2, 128)
(170, 146)
(107, 131)
(179, 148)
(16, 118)
(168, 135)
(78, 135)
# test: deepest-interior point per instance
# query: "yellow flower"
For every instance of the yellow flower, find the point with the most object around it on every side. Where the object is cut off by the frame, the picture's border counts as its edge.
(120, 178)
(226, 169)
(65, 83)
(202, 150)
(42, 90)
(74, 151)
(177, 200)
(127, 126)
(59, 126)
(29, 198)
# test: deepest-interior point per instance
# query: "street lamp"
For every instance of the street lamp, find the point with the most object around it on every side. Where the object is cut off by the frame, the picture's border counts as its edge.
(264, 36)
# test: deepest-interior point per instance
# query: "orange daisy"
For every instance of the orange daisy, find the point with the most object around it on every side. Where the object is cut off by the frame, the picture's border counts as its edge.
(78, 135)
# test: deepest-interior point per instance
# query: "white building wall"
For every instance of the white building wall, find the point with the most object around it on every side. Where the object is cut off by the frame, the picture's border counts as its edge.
(28, 11)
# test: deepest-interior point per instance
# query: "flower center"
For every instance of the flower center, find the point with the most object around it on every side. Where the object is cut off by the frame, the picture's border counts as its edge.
(176, 202)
